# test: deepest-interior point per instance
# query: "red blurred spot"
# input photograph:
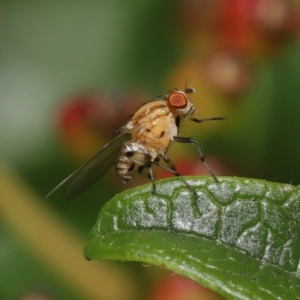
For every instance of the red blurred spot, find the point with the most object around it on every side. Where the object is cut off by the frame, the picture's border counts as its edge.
(255, 26)
(272, 15)
(88, 120)
(176, 287)
(235, 24)
(91, 109)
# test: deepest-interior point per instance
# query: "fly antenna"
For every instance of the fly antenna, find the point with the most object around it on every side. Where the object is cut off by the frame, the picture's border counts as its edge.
(188, 89)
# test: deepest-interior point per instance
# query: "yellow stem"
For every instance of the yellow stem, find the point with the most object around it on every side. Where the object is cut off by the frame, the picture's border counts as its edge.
(57, 246)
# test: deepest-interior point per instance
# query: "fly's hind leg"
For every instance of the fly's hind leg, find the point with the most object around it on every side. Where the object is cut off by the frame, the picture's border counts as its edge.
(143, 160)
(171, 168)
(147, 171)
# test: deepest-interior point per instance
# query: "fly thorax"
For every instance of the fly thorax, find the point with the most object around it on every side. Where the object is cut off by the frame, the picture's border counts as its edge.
(173, 131)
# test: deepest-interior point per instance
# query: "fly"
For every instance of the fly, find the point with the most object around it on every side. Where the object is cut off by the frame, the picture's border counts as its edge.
(142, 143)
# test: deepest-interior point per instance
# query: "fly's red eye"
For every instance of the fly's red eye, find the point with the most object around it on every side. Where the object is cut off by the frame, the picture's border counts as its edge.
(177, 100)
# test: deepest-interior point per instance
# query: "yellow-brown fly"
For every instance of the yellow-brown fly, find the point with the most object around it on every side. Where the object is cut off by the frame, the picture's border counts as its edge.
(142, 143)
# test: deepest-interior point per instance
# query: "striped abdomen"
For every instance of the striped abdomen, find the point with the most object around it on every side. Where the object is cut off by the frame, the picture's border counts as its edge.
(125, 165)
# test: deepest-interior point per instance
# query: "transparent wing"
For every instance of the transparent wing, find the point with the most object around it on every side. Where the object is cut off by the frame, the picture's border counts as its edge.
(95, 167)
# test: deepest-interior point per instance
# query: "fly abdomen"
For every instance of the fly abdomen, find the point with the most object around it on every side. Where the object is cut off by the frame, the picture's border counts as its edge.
(126, 162)
(124, 166)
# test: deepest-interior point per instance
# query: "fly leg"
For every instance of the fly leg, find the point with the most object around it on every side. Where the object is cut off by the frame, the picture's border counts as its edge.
(171, 168)
(208, 119)
(143, 160)
(147, 171)
(188, 140)
(169, 163)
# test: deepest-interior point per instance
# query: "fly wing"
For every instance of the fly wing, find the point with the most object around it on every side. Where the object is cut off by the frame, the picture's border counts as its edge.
(95, 167)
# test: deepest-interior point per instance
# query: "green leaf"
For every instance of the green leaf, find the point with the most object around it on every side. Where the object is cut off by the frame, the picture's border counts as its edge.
(240, 238)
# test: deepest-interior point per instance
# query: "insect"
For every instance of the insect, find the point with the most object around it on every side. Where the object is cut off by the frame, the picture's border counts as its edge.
(142, 143)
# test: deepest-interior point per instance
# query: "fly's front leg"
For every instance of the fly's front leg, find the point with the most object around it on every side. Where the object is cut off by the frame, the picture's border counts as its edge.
(187, 140)
(196, 120)
(143, 160)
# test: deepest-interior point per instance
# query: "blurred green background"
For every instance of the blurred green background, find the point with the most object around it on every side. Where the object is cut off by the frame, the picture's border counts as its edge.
(70, 73)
